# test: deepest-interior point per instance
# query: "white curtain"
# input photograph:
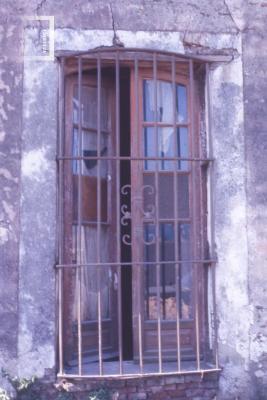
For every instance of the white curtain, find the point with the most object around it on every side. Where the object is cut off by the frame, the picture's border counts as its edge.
(89, 275)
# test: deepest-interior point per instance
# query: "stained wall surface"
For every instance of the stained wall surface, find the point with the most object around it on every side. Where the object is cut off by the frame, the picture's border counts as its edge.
(28, 129)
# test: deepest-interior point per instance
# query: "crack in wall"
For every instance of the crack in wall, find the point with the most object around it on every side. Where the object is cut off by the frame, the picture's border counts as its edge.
(116, 40)
(40, 6)
(230, 14)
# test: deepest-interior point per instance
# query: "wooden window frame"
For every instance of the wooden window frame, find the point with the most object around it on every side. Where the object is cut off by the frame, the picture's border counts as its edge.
(197, 218)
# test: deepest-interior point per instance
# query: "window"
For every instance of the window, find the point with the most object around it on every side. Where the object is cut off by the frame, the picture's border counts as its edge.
(133, 255)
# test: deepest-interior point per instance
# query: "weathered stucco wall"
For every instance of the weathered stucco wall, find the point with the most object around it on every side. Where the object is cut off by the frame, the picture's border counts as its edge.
(28, 99)
(36, 340)
(10, 136)
(255, 103)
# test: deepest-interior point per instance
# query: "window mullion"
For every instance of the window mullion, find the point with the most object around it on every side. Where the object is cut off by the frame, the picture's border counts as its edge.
(194, 214)
(118, 232)
(176, 225)
(157, 239)
(79, 258)
(99, 299)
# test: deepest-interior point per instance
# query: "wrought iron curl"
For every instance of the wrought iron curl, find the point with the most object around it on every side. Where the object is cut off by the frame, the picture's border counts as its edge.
(149, 210)
(126, 215)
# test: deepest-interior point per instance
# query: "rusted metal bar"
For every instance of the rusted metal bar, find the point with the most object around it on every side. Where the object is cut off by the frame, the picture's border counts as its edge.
(125, 158)
(79, 302)
(211, 211)
(194, 227)
(200, 372)
(117, 84)
(176, 225)
(60, 212)
(164, 124)
(179, 57)
(99, 318)
(137, 133)
(125, 264)
(157, 214)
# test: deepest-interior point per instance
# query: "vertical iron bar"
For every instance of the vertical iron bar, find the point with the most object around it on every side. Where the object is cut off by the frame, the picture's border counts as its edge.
(211, 210)
(99, 318)
(60, 211)
(141, 270)
(176, 225)
(157, 213)
(79, 258)
(195, 266)
(117, 73)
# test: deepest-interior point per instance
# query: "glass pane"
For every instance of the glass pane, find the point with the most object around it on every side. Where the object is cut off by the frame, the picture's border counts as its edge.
(150, 271)
(89, 149)
(164, 101)
(89, 107)
(185, 271)
(166, 143)
(167, 148)
(183, 196)
(149, 195)
(166, 202)
(182, 141)
(150, 148)
(181, 103)
(167, 272)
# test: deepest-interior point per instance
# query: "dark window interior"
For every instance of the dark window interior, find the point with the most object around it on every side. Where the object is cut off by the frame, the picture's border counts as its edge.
(125, 173)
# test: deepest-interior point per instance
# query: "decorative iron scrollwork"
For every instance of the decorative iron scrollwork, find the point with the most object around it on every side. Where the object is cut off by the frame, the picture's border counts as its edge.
(151, 239)
(126, 189)
(126, 215)
(148, 213)
(126, 239)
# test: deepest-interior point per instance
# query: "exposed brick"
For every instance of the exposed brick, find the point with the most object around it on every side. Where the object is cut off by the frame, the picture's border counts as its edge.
(140, 383)
(137, 396)
(170, 387)
(194, 392)
(122, 397)
(193, 378)
(154, 381)
(174, 379)
(155, 389)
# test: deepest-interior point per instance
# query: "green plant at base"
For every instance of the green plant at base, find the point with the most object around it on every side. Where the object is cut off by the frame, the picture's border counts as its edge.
(64, 396)
(22, 386)
(100, 394)
(4, 395)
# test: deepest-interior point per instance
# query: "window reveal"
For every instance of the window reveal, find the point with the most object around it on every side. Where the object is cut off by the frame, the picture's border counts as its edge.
(133, 216)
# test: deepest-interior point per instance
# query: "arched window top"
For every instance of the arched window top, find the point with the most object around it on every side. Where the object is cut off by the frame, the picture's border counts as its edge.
(133, 213)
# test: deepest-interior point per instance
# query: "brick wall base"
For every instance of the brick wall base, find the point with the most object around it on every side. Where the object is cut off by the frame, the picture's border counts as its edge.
(179, 387)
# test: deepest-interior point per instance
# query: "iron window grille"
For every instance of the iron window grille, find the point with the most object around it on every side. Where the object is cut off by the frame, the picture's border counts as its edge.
(136, 280)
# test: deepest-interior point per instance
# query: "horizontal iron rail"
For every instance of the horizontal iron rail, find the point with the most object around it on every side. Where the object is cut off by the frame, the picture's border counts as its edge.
(182, 57)
(129, 158)
(139, 375)
(107, 264)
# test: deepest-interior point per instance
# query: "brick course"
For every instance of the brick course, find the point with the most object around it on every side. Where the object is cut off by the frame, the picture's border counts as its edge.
(174, 387)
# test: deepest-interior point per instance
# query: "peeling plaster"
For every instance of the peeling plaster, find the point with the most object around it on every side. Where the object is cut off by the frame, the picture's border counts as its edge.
(2, 136)
(7, 175)
(9, 210)
(3, 86)
(33, 360)
(2, 111)
(34, 164)
(4, 235)
(69, 39)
